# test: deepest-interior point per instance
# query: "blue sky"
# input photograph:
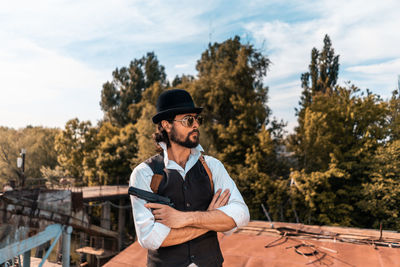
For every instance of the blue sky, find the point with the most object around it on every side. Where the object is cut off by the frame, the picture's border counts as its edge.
(55, 55)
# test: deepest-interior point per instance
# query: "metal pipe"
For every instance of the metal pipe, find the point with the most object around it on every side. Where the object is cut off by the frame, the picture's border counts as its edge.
(17, 248)
(27, 259)
(50, 248)
(66, 246)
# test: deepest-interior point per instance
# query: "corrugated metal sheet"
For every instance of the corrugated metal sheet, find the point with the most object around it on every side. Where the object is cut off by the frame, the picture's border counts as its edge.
(286, 244)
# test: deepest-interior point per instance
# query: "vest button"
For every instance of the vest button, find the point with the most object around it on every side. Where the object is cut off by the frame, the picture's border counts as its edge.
(188, 205)
(185, 187)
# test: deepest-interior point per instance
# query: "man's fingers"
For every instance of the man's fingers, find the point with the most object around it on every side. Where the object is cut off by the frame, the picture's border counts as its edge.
(222, 199)
(215, 198)
(158, 217)
(225, 198)
(156, 211)
(154, 206)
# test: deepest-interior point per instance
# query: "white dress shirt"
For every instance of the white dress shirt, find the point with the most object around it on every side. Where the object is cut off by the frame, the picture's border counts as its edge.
(152, 234)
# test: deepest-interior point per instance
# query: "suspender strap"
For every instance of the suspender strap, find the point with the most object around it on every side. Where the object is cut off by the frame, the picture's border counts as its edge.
(156, 163)
(203, 161)
(155, 182)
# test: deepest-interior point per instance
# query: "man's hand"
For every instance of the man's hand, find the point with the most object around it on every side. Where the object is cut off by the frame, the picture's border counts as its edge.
(168, 216)
(178, 219)
(219, 199)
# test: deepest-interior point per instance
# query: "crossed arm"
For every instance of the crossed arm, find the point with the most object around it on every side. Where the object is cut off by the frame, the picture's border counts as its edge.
(155, 230)
(186, 226)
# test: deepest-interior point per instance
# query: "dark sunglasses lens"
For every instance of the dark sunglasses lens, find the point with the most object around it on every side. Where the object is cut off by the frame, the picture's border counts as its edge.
(189, 121)
(200, 120)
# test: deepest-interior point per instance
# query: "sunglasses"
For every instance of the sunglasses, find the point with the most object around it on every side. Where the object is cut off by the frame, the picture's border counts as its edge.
(188, 120)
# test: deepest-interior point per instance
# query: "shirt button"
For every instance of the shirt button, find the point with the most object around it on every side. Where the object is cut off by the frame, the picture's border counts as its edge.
(188, 205)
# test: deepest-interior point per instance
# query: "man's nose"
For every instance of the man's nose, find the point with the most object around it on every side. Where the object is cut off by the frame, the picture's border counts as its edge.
(195, 124)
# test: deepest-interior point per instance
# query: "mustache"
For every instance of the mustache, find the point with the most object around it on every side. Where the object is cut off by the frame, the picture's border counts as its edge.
(194, 131)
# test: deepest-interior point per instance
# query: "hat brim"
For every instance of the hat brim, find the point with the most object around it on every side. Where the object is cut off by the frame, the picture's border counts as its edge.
(174, 111)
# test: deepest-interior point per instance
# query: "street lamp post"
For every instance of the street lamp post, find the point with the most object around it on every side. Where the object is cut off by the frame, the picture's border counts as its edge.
(21, 165)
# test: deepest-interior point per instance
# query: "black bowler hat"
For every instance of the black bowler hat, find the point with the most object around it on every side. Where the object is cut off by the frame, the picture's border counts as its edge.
(173, 102)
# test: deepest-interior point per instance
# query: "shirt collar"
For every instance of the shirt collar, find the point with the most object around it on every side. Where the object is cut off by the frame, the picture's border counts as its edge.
(194, 152)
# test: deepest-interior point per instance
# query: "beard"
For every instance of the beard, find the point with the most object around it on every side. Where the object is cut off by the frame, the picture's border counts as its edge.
(185, 142)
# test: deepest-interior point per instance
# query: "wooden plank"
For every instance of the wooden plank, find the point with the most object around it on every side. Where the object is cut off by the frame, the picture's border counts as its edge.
(98, 252)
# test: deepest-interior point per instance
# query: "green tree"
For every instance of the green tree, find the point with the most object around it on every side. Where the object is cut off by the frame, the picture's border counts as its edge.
(259, 172)
(53, 176)
(72, 145)
(381, 196)
(231, 90)
(319, 80)
(182, 81)
(342, 130)
(9, 151)
(104, 132)
(115, 155)
(323, 72)
(127, 87)
(343, 137)
(317, 198)
(109, 161)
(238, 129)
(394, 115)
(145, 127)
(39, 145)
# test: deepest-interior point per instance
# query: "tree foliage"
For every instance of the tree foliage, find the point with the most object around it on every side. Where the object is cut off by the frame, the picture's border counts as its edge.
(381, 196)
(342, 131)
(96, 155)
(39, 145)
(322, 75)
(394, 115)
(320, 79)
(344, 148)
(230, 88)
(238, 128)
(144, 126)
(114, 156)
(73, 144)
(127, 87)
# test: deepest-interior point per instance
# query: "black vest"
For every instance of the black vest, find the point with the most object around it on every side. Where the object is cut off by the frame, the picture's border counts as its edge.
(190, 194)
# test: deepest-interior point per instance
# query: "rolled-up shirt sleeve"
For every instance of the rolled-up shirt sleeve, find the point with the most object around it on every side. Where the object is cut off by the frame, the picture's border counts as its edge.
(150, 234)
(236, 207)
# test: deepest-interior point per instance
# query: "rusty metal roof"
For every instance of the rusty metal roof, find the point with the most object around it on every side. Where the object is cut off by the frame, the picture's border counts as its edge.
(286, 244)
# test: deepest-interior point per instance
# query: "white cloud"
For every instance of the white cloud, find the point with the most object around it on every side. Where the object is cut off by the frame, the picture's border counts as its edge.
(288, 46)
(391, 66)
(382, 77)
(40, 70)
(62, 22)
(181, 66)
(42, 83)
(361, 32)
(284, 94)
(44, 87)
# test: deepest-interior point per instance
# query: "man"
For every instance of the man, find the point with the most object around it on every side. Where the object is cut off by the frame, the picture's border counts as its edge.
(206, 200)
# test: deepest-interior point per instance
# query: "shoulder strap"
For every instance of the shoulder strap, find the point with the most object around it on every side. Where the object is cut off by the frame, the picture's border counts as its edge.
(156, 164)
(203, 161)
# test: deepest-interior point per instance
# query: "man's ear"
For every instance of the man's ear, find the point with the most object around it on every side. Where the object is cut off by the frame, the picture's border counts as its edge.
(166, 126)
